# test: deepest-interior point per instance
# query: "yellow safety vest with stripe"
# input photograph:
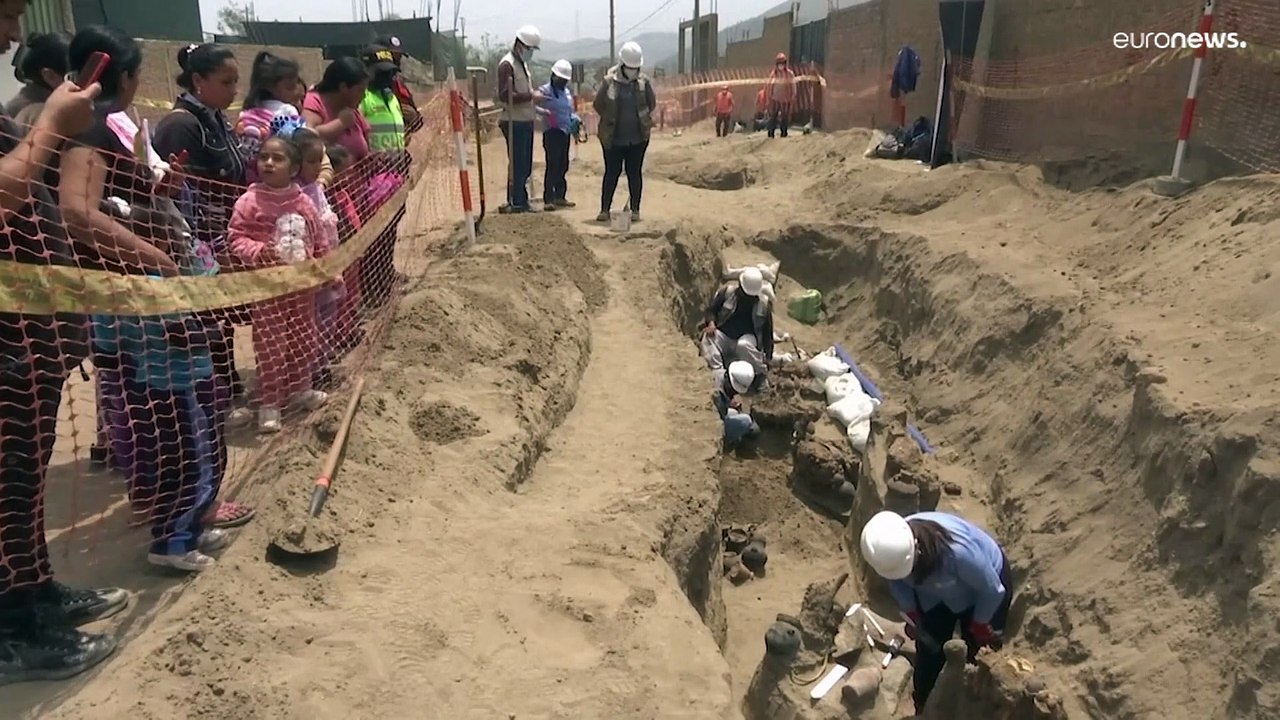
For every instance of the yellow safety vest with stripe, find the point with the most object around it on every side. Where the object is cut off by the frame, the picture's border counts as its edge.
(386, 120)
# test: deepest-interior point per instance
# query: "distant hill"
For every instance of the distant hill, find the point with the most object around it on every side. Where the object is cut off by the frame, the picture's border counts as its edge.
(660, 49)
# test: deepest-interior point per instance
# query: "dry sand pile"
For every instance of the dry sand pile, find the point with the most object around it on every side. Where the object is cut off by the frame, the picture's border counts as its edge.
(1097, 369)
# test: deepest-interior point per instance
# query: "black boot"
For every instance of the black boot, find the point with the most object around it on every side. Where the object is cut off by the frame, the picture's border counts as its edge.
(81, 607)
(41, 651)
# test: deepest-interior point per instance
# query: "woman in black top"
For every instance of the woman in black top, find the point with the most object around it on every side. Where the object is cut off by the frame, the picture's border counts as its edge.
(215, 168)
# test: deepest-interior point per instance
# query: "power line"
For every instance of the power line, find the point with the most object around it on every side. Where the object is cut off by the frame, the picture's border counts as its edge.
(631, 29)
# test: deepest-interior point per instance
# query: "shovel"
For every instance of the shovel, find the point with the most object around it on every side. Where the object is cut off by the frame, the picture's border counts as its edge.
(312, 537)
(476, 72)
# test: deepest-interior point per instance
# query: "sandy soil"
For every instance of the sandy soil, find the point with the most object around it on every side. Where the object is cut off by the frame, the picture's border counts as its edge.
(1098, 369)
(532, 497)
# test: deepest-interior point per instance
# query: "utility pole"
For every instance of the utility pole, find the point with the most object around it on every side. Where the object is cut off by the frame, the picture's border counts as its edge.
(462, 47)
(613, 50)
(697, 38)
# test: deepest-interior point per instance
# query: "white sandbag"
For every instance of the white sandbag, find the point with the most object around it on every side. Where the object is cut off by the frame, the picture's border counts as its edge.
(853, 409)
(858, 434)
(768, 271)
(825, 365)
(840, 387)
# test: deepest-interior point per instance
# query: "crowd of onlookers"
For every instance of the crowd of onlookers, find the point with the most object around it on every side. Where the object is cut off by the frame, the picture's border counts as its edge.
(84, 183)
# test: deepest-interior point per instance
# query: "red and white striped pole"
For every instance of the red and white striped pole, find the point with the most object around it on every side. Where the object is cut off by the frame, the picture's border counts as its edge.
(1189, 105)
(460, 151)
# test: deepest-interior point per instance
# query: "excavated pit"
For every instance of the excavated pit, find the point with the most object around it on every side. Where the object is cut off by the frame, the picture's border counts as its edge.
(1064, 437)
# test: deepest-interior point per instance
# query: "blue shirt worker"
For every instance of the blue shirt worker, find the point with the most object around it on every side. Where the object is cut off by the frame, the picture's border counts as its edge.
(731, 385)
(559, 124)
(943, 571)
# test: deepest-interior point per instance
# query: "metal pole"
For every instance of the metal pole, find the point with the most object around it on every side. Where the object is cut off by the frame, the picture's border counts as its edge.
(1189, 105)
(460, 150)
(613, 50)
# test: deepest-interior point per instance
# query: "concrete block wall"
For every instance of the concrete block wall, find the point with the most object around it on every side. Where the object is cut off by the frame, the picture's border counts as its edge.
(1034, 44)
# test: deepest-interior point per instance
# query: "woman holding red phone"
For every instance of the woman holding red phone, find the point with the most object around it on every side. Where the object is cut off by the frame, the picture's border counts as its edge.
(165, 422)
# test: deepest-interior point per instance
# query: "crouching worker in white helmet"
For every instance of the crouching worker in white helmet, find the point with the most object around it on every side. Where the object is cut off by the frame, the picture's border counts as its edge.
(943, 571)
(731, 384)
(739, 325)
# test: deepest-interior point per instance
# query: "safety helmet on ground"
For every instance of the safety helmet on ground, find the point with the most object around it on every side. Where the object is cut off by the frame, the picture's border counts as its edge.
(529, 37)
(751, 281)
(782, 57)
(888, 545)
(741, 375)
(631, 55)
(563, 69)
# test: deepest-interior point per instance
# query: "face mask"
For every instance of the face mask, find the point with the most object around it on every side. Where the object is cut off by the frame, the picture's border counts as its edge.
(526, 54)
(630, 73)
(558, 83)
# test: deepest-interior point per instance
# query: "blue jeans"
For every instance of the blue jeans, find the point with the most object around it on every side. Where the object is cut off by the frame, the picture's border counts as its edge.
(737, 425)
(519, 137)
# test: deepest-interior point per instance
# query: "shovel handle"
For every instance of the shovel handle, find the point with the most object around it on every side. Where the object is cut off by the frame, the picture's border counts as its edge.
(321, 490)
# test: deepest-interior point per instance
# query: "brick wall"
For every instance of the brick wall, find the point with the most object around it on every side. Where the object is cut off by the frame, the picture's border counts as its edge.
(759, 52)
(1034, 44)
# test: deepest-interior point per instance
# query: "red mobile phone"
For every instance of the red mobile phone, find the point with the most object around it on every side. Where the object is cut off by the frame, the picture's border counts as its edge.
(96, 65)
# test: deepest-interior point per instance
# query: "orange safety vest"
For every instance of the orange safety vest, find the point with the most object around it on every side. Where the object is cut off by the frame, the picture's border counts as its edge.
(724, 103)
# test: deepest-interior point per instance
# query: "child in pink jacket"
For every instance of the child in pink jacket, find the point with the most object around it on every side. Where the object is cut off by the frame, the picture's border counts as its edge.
(275, 223)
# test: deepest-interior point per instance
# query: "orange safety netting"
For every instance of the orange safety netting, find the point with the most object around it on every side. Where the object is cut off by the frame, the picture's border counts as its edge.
(151, 328)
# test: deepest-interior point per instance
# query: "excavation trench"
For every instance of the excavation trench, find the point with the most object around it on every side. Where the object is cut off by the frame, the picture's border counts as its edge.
(1058, 433)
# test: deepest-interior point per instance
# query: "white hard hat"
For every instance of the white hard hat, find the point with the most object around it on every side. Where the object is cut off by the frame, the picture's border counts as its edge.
(741, 375)
(751, 281)
(563, 69)
(631, 55)
(529, 36)
(888, 545)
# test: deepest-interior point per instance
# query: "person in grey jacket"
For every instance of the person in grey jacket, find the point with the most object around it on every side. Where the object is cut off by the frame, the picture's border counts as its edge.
(624, 104)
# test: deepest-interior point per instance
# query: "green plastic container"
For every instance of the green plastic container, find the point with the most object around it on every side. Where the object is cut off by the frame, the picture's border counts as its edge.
(807, 308)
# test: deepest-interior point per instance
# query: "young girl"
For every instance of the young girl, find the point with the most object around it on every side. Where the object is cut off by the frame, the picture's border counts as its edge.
(329, 297)
(348, 321)
(275, 224)
(275, 90)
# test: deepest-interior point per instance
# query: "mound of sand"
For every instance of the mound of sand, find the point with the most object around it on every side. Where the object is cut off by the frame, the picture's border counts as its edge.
(440, 423)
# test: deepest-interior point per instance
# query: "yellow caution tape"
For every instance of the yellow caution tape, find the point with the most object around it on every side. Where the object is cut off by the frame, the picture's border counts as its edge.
(45, 290)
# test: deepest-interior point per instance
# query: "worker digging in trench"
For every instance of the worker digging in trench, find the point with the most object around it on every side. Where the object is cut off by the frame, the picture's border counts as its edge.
(739, 325)
(943, 571)
(732, 384)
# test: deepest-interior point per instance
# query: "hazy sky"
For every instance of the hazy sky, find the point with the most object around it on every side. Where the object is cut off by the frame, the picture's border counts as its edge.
(556, 19)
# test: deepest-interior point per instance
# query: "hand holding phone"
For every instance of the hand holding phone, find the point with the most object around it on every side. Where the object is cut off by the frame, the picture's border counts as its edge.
(93, 69)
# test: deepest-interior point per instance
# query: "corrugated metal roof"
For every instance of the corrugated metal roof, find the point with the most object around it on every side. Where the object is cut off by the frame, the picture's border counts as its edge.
(43, 16)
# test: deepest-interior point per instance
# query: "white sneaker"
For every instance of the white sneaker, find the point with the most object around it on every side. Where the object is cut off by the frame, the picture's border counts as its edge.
(312, 399)
(194, 561)
(240, 417)
(213, 540)
(269, 420)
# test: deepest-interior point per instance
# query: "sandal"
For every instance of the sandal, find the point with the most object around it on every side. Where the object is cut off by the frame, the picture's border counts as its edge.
(228, 514)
